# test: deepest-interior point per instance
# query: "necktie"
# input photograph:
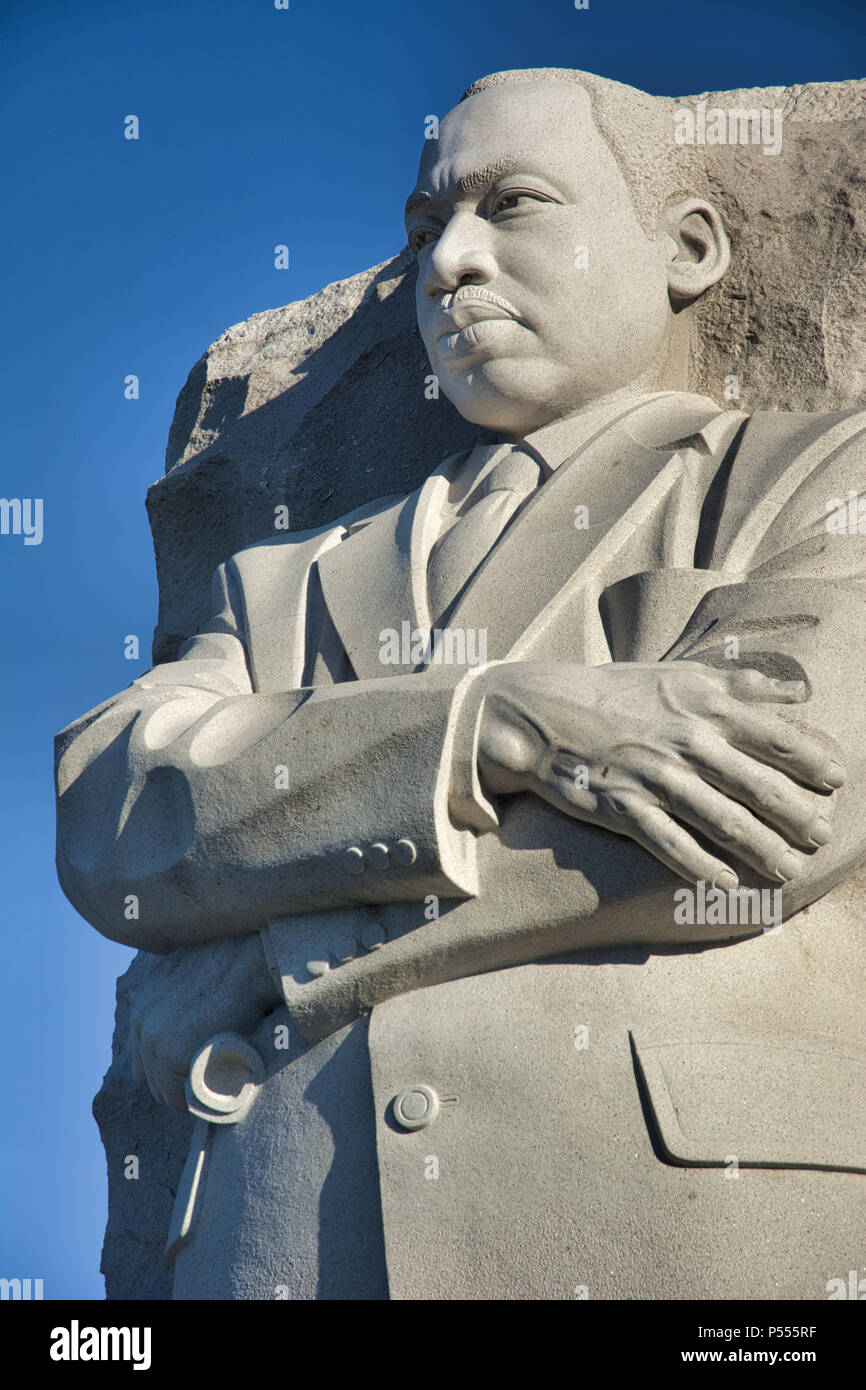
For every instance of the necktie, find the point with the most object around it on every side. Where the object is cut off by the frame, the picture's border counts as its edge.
(457, 555)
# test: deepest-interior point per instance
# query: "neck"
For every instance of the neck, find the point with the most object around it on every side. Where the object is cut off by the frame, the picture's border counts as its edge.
(668, 371)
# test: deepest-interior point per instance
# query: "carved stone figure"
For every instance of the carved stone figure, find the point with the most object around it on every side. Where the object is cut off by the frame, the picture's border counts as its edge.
(502, 843)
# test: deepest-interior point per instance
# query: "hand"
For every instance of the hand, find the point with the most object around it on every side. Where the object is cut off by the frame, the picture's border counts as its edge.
(185, 999)
(660, 750)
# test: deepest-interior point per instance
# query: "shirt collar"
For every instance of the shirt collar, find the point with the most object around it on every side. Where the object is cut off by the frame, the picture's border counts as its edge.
(665, 418)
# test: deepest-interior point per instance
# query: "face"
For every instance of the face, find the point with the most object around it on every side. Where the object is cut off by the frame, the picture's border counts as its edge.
(538, 291)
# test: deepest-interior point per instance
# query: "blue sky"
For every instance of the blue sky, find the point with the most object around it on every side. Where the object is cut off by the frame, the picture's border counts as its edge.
(258, 126)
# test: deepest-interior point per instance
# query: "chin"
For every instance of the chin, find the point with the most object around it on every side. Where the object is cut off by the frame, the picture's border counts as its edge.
(500, 415)
(495, 405)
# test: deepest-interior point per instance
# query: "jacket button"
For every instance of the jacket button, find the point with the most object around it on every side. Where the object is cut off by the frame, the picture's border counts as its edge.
(344, 948)
(353, 860)
(372, 936)
(416, 1107)
(404, 852)
(378, 856)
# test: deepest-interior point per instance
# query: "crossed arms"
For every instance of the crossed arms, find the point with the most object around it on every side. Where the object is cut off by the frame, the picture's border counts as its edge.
(170, 797)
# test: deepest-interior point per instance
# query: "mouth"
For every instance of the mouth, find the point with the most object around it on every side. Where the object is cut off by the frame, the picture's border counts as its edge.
(470, 305)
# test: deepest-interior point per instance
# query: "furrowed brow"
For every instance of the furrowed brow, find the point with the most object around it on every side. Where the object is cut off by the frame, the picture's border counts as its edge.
(468, 183)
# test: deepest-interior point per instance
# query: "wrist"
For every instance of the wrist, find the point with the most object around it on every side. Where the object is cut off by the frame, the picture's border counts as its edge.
(468, 802)
(511, 745)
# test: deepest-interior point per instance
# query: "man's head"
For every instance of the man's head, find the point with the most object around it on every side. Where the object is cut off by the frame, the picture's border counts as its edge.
(554, 258)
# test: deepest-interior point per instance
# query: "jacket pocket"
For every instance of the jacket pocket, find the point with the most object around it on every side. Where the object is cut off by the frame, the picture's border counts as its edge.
(772, 1103)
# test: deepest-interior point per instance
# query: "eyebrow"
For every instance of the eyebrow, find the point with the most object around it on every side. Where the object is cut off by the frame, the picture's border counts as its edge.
(478, 178)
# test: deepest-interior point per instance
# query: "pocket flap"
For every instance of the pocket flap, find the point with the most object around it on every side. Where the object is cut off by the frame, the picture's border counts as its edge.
(774, 1104)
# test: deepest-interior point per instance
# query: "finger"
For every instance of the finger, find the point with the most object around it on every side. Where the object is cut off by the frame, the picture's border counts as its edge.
(154, 1067)
(165, 1083)
(567, 788)
(768, 793)
(733, 828)
(753, 687)
(777, 743)
(655, 830)
(630, 813)
(172, 1090)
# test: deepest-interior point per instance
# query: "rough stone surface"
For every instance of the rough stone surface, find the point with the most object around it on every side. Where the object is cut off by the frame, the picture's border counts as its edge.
(131, 1122)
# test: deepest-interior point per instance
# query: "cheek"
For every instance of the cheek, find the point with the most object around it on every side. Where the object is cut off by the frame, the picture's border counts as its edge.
(571, 251)
(574, 283)
(616, 295)
(423, 318)
(542, 261)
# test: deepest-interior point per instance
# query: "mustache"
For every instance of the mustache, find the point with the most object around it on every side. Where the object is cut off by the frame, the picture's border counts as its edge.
(459, 309)
(452, 298)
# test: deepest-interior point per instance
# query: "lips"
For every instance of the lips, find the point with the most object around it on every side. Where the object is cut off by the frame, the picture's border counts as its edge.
(469, 305)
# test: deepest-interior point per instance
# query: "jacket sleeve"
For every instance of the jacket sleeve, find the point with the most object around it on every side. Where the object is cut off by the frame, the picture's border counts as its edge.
(191, 807)
(798, 611)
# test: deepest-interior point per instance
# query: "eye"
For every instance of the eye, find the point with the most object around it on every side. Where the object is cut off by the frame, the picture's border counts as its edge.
(511, 199)
(420, 237)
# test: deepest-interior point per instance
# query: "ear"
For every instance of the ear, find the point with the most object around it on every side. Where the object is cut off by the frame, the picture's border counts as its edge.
(702, 252)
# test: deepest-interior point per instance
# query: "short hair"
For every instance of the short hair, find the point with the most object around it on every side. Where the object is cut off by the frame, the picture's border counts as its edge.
(637, 128)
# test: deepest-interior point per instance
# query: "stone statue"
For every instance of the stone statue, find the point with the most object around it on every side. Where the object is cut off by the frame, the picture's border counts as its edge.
(501, 844)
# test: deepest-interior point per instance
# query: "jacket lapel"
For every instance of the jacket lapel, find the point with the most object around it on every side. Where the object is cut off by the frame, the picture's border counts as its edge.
(375, 581)
(273, 598)
(537, 593)
(622, 484)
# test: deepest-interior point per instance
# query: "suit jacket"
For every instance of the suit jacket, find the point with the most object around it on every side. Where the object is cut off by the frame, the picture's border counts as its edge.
(278, 773)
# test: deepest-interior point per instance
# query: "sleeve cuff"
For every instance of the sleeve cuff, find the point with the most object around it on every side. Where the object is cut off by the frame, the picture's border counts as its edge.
(467, 803)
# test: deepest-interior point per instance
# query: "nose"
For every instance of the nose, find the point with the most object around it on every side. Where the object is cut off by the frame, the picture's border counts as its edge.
(461, 256)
